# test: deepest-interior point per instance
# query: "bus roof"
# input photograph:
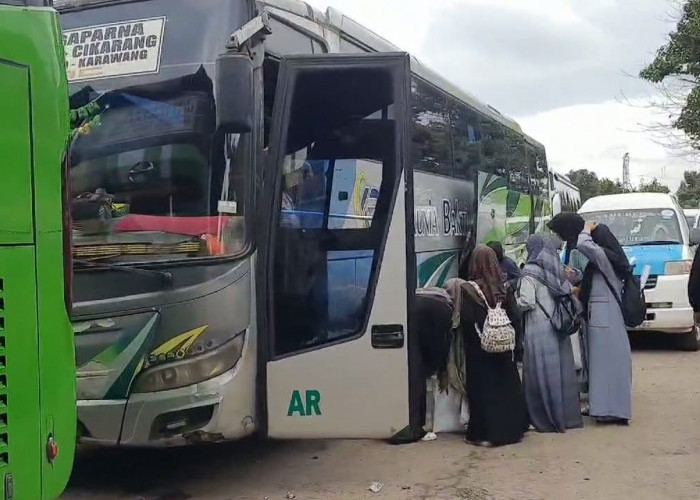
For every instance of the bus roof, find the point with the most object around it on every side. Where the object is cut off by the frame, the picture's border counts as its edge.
(628, 201)
(350, 29)
(564, 180)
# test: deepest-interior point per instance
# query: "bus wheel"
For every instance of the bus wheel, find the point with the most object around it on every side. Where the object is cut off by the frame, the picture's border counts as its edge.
(691, 341)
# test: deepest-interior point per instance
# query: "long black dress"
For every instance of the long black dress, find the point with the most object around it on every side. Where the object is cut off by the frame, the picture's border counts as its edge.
(497, 408)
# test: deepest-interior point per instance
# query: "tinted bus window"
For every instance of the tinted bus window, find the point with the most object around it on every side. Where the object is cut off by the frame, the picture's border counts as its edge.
(466, 141)
(432, 145)
(494, 148)
(518, 170)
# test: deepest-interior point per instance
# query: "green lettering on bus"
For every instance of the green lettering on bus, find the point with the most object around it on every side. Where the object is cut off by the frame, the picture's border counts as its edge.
(313, 404)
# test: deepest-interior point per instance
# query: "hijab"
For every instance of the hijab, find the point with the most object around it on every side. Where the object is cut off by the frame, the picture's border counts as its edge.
(485, 270)
(466, 257)
(544, 264)
(567, 226)
(605, 239)
(498, 248)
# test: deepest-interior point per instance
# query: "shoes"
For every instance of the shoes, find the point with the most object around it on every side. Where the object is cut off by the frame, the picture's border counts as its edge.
(481, 444)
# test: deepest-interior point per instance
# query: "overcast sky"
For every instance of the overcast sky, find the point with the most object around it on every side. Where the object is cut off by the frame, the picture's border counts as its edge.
(563, 68)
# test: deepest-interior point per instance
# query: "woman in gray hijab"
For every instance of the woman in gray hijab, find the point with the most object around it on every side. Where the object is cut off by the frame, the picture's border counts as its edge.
(549, 373)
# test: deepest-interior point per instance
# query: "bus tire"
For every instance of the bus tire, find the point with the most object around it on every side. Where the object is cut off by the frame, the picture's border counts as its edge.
(691, 341)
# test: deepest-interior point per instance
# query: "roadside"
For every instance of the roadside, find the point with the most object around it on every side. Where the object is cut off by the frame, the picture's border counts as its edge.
(656, 457)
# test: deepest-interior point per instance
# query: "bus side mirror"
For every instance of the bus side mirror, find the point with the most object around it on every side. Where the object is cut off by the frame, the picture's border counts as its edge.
(235, 103)
(695, 236)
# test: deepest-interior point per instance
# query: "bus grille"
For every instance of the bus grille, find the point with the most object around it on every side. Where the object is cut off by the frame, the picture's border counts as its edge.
(4, 444)
(651, 282)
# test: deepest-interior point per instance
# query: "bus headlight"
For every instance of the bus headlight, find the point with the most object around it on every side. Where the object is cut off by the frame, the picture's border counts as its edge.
(678, 267)
(191, 371)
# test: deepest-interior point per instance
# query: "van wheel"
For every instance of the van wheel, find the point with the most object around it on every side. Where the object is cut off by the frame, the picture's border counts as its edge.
(691, 341)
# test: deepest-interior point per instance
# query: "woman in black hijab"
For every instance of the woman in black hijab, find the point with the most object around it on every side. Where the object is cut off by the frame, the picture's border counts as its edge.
(603, 237)
(566, 226)
(608, 349)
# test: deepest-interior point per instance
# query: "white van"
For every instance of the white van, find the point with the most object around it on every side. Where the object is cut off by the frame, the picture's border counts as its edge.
(652, 229)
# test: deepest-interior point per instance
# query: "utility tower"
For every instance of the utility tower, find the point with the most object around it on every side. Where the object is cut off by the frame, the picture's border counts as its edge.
(626, 183)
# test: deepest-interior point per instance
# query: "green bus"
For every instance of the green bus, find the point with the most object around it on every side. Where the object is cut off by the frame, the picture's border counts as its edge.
(37, 355)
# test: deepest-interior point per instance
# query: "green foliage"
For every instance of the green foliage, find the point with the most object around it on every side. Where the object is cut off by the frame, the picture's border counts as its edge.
(607, 186)
(653, 187)
(586, 181)
(679, 59)
(590, 185)
(689, 191)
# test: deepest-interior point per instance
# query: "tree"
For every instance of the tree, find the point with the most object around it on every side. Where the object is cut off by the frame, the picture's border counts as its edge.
(587, 183)
(607, 186)
(678, 63)
(653, 187)
(689, 191)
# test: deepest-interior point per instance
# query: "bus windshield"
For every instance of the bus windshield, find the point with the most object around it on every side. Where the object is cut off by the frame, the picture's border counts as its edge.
(641, 227)
(151, 179)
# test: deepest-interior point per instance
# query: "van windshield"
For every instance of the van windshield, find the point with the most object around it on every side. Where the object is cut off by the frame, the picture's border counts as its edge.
(641, 227)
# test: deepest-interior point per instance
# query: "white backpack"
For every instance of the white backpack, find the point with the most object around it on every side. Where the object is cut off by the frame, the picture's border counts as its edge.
(497, 335)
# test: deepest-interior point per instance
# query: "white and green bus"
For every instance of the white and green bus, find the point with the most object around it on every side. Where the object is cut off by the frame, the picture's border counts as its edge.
(259, 189)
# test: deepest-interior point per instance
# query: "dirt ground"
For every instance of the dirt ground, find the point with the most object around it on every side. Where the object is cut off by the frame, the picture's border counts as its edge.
(657, 457)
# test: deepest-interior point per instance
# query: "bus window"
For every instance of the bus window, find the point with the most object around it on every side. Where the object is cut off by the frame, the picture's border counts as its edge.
(466, 141)
(432, 146)
(286, 40)
(495, 155)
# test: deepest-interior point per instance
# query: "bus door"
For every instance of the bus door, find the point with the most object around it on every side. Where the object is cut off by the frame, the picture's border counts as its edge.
(337, 270)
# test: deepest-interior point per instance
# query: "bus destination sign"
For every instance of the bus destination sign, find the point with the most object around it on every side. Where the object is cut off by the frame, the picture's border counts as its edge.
(114, 50)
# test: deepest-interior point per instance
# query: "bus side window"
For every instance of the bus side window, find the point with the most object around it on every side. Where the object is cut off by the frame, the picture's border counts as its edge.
(432, 144)
(495, 157)
(466, 142)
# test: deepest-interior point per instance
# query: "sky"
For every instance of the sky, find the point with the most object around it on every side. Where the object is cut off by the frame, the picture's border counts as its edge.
(564, 69)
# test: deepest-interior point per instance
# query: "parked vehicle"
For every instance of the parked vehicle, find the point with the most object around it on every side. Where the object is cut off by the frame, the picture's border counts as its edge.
(234, 233)
(37, 357)
(653, 231)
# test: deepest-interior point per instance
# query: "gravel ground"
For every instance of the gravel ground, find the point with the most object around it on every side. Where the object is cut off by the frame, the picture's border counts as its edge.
(657, 457)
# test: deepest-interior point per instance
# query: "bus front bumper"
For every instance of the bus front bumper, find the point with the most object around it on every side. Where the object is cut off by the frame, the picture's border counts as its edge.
(203, 412)
(668, 310)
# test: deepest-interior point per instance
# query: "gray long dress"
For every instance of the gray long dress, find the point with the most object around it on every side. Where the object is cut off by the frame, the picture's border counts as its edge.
(608, 350)
(549, 373)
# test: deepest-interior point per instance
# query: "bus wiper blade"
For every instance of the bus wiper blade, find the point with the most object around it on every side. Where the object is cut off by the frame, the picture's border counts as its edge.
(165, 277)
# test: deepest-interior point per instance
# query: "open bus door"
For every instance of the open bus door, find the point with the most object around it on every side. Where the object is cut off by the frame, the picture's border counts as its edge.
(337, 269)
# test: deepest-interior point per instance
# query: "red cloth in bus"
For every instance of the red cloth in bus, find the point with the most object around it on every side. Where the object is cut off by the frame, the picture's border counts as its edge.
(190, 226)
